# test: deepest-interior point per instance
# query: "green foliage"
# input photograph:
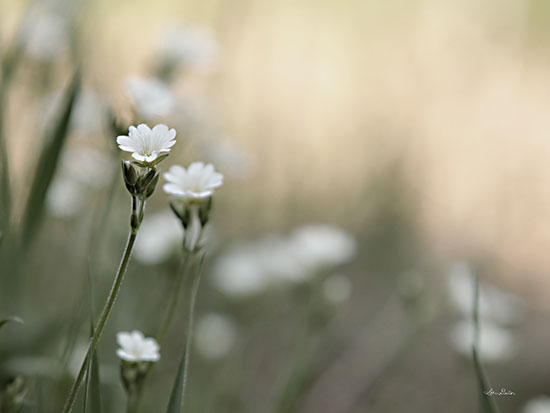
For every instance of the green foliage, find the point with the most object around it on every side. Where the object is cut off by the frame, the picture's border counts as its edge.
(47, 163)
(175, 404)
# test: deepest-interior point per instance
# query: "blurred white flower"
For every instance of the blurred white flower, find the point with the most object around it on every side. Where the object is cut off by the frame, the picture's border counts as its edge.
(64, 198)
(80, 169)
(160, 235)
(252, 267)
(152, 98)
(46, 35)
(89, 113)
(227, 156)
(494, 304)
(239, 272)
(135, 347)
(147, 144)
(188, 46)
(539, 404)
(196, 182)
(215, 336)
(337, 288)
(495, 343)
(322, 245)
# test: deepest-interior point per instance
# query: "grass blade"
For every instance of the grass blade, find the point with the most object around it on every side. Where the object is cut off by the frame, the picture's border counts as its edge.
(92, 394)
(487, 403)
(47, 164)
(175, 404)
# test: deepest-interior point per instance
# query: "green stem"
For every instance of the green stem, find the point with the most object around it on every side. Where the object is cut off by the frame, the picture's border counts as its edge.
(102, 319)
(174, 298)
(132, 404)
(188, 340)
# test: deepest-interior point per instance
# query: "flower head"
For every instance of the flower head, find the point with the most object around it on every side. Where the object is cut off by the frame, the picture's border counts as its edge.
(197, 182)
(147, 144)
(151, 97)
(135, 347)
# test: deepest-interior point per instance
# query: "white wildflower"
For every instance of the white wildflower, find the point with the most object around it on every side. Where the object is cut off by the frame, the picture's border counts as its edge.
(135, 347)
(46, 35)
(240, 273)
(495, 343)
(215, 335)
(188, 46)
(159, 237)
(322, 245)
(147, 144)
(494, 304)
(540, 404)
(151, 97)
(197, 182)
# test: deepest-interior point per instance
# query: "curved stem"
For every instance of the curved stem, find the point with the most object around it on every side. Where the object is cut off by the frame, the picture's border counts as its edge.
(174, 298)
(102, 319)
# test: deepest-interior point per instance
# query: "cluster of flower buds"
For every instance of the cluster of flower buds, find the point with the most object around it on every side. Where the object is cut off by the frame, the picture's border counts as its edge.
(140, 184)
(191, 192)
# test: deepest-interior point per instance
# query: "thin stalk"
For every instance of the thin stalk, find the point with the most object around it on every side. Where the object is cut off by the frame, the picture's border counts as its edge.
(188, 340)
(174, 298)
(104, 315)
(487, 403)
(132, 404)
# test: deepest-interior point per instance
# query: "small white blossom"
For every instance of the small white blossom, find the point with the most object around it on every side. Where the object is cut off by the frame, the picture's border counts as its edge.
(216, 335)
(135, 347)
(495, 343)
(494, 304)
(147, 144)
(539, 404)
(152, 98)
(322, 245)
(196, 182)
(159, 237)
(188, 46)
(46, 36)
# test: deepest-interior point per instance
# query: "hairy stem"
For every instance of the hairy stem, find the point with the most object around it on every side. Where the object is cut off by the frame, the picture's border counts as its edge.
(102, 319)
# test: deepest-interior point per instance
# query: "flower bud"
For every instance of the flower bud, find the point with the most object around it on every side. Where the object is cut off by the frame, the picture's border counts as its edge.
(152, 185)
(143, 182)
(130, 176)
(132, 375)
(204, 211)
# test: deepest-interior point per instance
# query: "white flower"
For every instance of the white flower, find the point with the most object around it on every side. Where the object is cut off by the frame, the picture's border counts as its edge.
(188, 46)
(494, 304)
(147, 144)
(216, 335)
(152, 98)
(539, 404)
(46, 36)
(159, 236)
(239, 272)
(495, 343)
(135, 347)
(196, 182)
(321, 245)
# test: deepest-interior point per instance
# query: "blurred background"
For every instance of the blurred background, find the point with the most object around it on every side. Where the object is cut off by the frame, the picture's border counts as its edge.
(377, 155)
